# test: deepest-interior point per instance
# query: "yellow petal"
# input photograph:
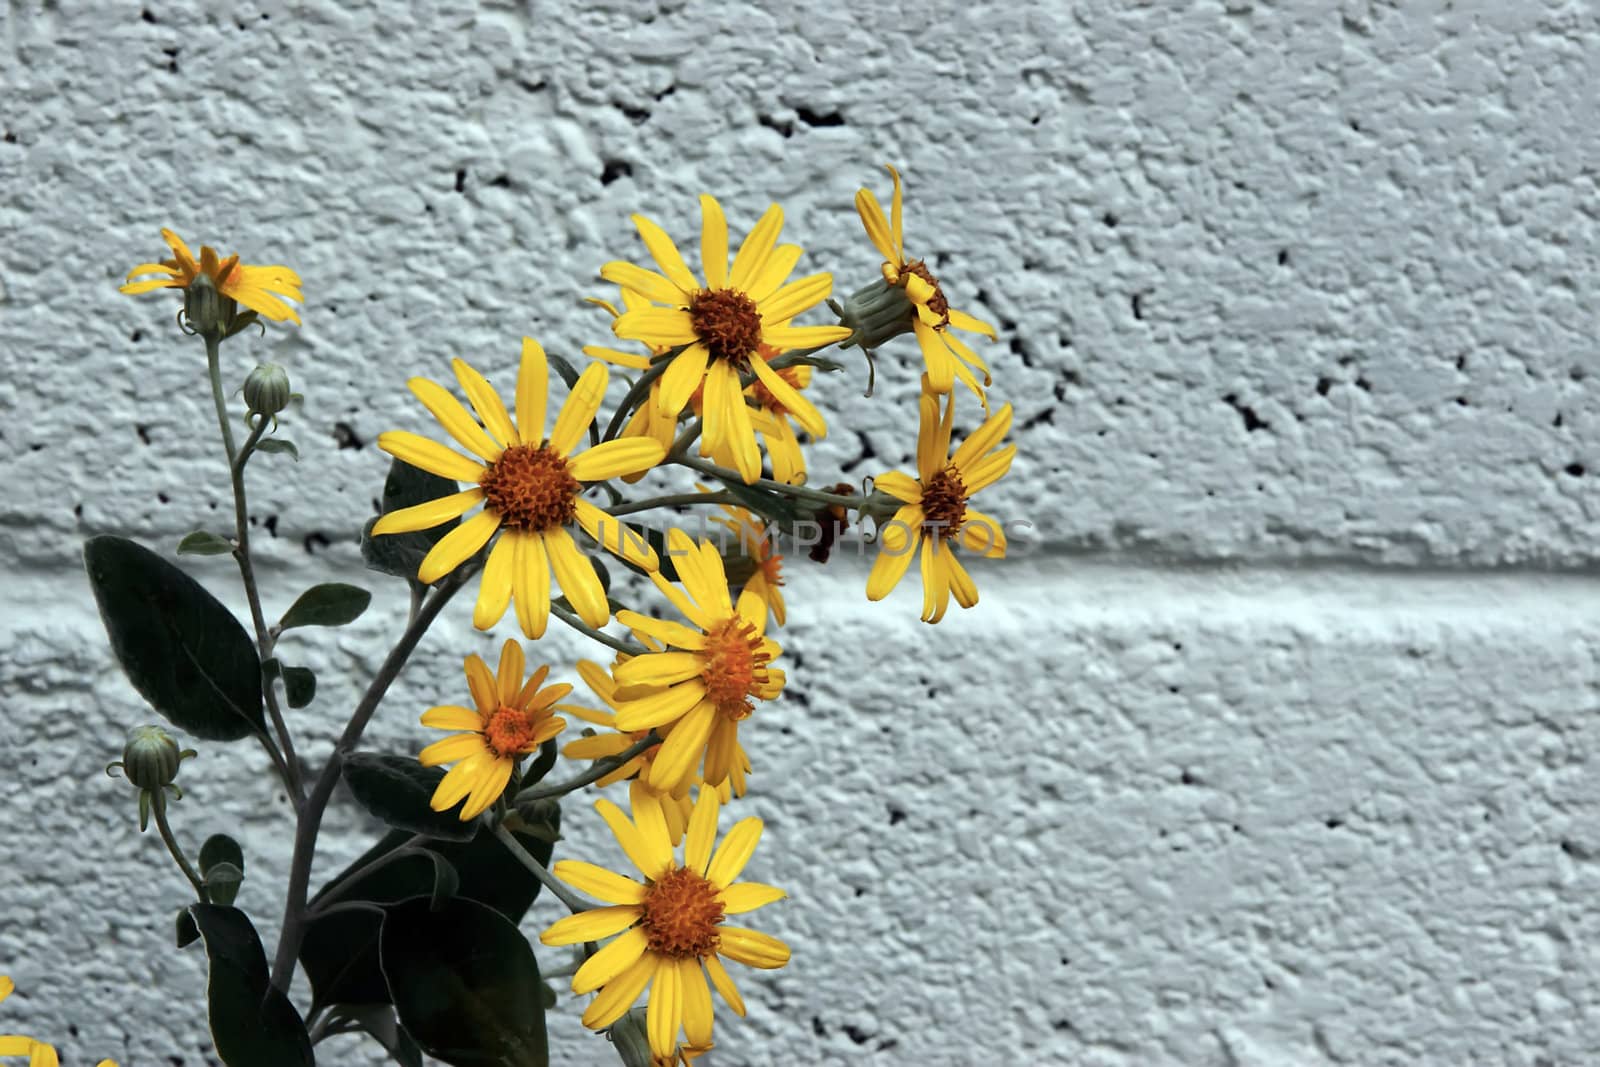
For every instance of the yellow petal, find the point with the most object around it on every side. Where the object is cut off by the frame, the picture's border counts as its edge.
(459, 782)
(702, 832)
(509, 674)
(454, 418)
(681, 378)
(598, 882)
(776, 270)
(799, 295)
(664, 1016)
(660, 668)
(930, 460)
(725, 987)
(612, 459)
(798, 407)
(579, 410)
(658, 709)
(980, 533)
(604, 966)
(531, 584)
(962, 321)
(427, 515)
(486, 402)
(430, 456)
(756, 248)
(490, 784)
(936, 354)
(713, 243)
(655, 326)
(664, 630)
(697, 1014)
(631, 360)
(737, 848)
(452, 717)
(591, 925)
(457, 546)
(961, 583)
(990, 469)
(748, 896)
(803, 336)
(980, 441)
(935, 582)
(682, 749)
(900, 486)
(665, 253)
(576, 575)
(499, 576)
(480, 680)
(616, 536)
(648, 852)
(708, 586)
(533, 391)
(645, 282)
(620, 993)
(753, 948)
(899, 234)
(877, 229)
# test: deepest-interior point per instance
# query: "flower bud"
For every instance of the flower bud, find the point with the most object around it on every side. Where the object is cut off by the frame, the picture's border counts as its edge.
(876, 313)
(632, 1041)
(150, 758)
(266, 390)
(202, 306)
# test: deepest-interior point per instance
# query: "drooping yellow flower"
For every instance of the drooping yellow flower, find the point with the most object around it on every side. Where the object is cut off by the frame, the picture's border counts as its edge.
(947, 356)
(935, 512)
(705, 688)
(257, 288)
(671, 927)
(529, 484)
(39, 1054)
(771, 421)
(755, 539)
(512, 719)
(723, 324)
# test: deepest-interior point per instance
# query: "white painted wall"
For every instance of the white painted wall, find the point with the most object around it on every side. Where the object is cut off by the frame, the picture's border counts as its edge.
(1280, 752)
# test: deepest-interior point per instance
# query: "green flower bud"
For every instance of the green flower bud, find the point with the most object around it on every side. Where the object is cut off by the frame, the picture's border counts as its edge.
(266, 390)
(203, 306)
(150, 758)
(876, 313)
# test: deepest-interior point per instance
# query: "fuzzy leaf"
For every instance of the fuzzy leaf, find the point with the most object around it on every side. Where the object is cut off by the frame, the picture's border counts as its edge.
(252, 1024)
(329, 604)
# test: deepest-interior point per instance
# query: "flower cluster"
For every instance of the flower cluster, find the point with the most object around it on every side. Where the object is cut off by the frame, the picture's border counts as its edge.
(724, 386)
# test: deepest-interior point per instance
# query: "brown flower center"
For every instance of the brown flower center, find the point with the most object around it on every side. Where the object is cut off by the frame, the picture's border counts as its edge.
(735, 666)
(936, 303)
(509, 731)
(681, 913)
(530, 488)
(944, 503)
(729, 324)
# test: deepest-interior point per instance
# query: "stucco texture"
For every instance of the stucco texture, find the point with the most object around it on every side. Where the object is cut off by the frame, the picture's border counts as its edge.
(1274, 742)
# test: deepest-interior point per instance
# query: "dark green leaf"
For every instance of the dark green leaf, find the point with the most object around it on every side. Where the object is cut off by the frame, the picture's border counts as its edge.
(329, 604)
(222, 883)
(187, 932)
(378, 1020)
(201, 543)
(252, 1024)
(183, 651)
(340, 952)
(541, 764)
(463, 980)
(300, 685)
(278, 444)
(401, 554)
(220, 848)
(397, 790)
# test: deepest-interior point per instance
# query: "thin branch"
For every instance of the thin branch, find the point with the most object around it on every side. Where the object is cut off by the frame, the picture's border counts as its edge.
(597, 771)
(670, 500)
(572, 620)
(551, 882)
(158, 805)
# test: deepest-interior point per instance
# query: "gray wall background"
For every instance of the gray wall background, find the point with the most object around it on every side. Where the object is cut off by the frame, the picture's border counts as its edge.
(1279, 750)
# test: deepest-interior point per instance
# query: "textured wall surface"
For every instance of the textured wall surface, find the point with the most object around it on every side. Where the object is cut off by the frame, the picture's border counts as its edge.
(1279, 749)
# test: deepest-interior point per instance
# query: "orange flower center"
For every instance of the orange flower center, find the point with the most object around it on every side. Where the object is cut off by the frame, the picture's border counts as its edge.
(944, 503)
(530, 488)
(729, 324)
(509, 732)
(735, 666)
(680, 914)
(769, 563)
(936, 303)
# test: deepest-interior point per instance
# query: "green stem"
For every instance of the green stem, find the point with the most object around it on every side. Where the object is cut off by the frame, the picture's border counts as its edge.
(686, 438)
(572, 620)
(639, 393)
(551, 882)
(598, 770)
(288, 764)
(158, 805)
(799, 492)
(670, 500)
(305, 837)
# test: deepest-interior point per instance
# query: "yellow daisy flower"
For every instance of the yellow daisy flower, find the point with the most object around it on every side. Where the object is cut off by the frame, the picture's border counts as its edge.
(703, 691)
(39, 1054)
(513, 718)
(935, 512)
(257, 288)
(755, 539)
(947, 356)
(671, 927)
(723, 324)
(529, 484)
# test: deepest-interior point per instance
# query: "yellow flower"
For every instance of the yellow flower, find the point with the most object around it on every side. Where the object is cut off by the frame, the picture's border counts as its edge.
(723, 324)
(704, 690)
(512, 719)
(529, 484)
(257, 288)
(934, 510)
(671, 926)
(947, 356)
(755, 539)
(39, 1054)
